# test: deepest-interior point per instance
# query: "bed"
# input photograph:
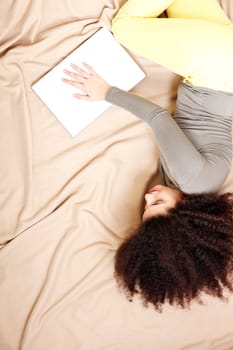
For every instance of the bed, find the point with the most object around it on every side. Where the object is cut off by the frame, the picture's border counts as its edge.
(67, 203)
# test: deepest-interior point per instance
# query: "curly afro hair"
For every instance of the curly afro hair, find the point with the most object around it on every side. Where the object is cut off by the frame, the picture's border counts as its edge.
(174, 258)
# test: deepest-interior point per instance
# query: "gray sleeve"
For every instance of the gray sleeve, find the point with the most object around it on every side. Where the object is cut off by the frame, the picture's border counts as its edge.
(183, 161)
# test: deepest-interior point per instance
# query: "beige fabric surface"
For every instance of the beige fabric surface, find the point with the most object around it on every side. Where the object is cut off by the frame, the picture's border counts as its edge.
(67, 203)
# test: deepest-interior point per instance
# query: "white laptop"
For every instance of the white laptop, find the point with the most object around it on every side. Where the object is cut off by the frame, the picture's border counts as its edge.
(109, 59)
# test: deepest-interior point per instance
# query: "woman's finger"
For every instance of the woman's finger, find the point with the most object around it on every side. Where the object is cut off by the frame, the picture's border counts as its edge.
(89, 68)
(80, 71)
(75, 76)
(82, 97)
(74, 83)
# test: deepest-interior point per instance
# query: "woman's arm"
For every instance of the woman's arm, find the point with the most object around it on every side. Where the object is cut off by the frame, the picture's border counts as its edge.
(182, 160)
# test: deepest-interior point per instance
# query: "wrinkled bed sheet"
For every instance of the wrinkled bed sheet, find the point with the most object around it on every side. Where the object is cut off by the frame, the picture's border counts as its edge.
(67, 203)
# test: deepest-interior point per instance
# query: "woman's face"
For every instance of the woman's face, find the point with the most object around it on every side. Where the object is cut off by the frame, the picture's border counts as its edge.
(159, 200)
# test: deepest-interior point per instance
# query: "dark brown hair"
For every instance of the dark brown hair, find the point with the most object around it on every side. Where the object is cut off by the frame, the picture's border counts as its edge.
(174, 258)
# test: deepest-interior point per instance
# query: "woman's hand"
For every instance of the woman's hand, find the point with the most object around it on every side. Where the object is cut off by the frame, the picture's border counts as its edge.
(92, 85)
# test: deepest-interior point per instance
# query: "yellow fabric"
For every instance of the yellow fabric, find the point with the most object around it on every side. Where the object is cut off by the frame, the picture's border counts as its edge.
(194, 42)
(140, 8)
(198, 9)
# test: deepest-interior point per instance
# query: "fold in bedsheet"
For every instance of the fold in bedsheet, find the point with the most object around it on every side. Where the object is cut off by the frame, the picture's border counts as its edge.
(67, 203)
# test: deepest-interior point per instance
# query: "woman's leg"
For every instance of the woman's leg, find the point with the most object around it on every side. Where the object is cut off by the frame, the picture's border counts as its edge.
(199, 50)
(140, 8)
(208, 10)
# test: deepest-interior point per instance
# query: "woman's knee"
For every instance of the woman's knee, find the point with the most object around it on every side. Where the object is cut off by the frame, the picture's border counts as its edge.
(121, 28)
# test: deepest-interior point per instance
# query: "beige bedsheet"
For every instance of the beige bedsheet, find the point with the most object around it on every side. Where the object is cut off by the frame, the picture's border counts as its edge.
(66, 203)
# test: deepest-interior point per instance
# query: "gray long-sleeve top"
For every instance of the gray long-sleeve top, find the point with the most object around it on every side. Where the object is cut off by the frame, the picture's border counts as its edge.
(196, 145)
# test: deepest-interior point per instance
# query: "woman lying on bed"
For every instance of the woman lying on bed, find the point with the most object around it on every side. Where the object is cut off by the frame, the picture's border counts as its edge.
(184, 245)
